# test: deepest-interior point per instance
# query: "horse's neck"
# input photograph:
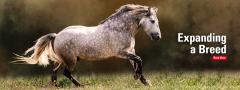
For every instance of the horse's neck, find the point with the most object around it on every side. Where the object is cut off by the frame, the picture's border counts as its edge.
(126, 25)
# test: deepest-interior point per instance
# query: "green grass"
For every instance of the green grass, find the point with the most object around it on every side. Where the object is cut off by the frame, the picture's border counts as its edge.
(124, 81)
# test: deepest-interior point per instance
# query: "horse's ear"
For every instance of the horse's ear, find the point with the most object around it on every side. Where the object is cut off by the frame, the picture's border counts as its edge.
(149, 11)
(155, 9)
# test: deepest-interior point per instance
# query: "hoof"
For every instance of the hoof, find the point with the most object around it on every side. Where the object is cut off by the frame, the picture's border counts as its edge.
(137, 76)
(55, 84)
(147, 83)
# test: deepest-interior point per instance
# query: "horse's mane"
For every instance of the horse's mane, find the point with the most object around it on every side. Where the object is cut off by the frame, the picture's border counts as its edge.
(123, 9)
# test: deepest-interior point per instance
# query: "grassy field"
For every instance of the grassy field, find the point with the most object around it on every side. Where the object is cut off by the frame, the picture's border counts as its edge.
(124, 81)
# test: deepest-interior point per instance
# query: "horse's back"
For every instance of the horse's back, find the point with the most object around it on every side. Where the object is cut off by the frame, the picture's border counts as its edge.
(79, 30)
(86, 42)
(71, 32)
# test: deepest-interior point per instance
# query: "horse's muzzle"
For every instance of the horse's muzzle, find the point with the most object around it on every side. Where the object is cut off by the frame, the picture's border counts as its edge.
(155, 36)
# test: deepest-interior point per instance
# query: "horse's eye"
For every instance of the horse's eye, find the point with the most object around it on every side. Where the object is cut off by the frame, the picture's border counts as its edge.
(152, 21)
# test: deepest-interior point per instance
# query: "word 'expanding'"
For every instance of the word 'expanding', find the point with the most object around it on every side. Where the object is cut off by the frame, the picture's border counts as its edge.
(202, 49)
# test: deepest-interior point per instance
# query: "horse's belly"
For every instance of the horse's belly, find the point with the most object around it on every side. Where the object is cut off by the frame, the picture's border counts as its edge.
(92, 57)
(95, 55)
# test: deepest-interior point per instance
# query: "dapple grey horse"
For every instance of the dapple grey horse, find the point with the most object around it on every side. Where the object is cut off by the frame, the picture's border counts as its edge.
(113, 37)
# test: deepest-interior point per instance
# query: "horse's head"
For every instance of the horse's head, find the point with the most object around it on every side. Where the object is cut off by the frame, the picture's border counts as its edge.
(149, 23)
(144, 16)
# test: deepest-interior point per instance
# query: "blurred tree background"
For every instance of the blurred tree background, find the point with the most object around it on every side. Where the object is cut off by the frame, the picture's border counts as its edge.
(24, 21)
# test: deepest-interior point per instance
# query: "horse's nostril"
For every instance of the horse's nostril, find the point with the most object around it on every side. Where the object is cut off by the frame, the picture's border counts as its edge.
(155, 36)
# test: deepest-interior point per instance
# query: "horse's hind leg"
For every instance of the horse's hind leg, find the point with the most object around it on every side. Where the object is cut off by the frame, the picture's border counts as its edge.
(54, 73)
(68, 74)
(70, 64)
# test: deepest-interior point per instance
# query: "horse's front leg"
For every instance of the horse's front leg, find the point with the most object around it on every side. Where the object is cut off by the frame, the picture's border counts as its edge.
(137, 64)
(135, 67)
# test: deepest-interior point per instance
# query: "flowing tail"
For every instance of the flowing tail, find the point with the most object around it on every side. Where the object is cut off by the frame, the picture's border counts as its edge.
(43, 51)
